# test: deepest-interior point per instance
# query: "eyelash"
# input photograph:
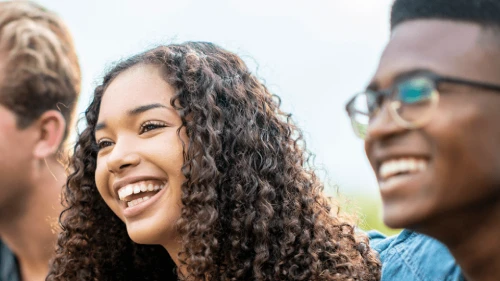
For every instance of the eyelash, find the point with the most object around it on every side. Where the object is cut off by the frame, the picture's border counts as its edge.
(100, 144)
(145, 127)
(151, 125)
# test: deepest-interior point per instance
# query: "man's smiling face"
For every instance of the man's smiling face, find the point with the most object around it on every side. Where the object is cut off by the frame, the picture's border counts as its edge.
(458, 150)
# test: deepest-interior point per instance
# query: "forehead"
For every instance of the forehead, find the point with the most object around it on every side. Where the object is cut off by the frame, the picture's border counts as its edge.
(446, 47)
(139, 85)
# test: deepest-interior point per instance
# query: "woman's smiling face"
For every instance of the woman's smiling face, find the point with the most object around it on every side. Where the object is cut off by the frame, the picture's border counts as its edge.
(140, 157)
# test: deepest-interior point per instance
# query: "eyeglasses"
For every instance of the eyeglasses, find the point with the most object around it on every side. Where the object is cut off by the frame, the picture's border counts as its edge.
(411, 102)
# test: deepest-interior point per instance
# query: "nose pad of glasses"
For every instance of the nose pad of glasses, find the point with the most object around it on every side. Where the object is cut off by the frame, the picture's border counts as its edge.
(382, 123)
(394, 108)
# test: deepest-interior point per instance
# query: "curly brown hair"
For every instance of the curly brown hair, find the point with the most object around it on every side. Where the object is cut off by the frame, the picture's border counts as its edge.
(253, 209)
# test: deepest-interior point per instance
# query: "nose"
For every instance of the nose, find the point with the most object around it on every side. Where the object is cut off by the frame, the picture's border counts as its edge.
(122, 156)
(383, 124)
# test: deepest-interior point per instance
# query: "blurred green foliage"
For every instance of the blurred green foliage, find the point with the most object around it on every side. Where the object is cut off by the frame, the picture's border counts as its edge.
(368, 209)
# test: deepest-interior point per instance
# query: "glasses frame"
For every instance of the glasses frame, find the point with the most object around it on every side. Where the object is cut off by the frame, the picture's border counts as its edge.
(394, 104)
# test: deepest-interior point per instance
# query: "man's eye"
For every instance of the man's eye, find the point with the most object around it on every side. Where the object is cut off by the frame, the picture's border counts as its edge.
(149, 126)
(415, 91)
(104, 143)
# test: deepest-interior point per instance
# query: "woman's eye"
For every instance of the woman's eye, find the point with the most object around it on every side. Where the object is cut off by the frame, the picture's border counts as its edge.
(104, 143)
(149, 126)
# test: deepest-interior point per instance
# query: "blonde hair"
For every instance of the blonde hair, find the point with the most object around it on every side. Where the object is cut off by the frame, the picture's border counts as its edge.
(39, 68)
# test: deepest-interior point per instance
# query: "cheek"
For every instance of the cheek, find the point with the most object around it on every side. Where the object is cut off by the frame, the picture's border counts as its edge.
(168, 154)
(16, 157)
(101, 177)
(464, 154)
(169, 157)
(102, 182)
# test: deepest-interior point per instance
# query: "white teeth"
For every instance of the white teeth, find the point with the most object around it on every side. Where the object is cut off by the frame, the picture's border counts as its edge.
(126, 191)
(412, 165)
(405, 165)
(137, 188)
(138, 201)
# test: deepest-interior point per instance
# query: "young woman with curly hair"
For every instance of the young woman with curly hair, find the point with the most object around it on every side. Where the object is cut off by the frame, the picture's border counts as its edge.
(188, 167)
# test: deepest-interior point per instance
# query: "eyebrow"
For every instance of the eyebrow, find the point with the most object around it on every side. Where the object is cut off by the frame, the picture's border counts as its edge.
(134, 111)
(100, 126)
(143, 108)
(374, 85)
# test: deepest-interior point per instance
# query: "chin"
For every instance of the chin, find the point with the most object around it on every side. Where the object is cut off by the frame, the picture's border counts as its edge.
(402, 217)
(142, 233)
(141, 237)
(149, 233)
(395, 223)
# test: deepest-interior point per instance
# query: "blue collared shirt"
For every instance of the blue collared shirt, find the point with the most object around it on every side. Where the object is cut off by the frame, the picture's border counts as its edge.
(414, 256)
(8, 264)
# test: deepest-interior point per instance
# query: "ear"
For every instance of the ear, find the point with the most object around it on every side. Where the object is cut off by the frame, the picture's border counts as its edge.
(50, 128)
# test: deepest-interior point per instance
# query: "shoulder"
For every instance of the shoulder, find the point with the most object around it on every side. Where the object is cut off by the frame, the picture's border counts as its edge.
(8, 264)
(414, 256)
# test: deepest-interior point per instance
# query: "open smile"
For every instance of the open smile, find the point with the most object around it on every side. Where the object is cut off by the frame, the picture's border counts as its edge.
(396, 171)
(138, 196)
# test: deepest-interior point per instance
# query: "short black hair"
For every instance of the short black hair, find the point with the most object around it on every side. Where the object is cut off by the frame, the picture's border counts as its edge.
(483, 12)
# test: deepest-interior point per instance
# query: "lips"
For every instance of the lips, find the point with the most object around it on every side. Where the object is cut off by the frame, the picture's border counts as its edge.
(138, 194)
(401, 166)
(135, 190)
(125, 192)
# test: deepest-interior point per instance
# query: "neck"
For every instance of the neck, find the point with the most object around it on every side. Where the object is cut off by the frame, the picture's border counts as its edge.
(173, 248)
(30, 231)
(472, 238)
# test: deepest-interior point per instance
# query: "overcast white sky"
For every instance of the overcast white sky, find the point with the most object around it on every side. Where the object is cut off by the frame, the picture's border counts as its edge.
(314, 54)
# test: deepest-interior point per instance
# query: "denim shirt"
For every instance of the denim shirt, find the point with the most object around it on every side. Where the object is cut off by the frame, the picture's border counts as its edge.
(414, 256)
(8, 264)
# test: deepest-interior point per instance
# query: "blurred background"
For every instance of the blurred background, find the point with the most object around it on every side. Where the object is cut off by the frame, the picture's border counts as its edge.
(313, 54)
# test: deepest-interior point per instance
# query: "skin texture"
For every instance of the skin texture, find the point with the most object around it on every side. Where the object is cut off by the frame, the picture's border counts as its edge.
(139, 145)
(456, 199)
(29, 188)
(21, 149)
(12, 161)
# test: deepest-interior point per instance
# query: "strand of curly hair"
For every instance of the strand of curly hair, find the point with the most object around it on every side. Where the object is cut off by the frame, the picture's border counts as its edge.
(253, 209)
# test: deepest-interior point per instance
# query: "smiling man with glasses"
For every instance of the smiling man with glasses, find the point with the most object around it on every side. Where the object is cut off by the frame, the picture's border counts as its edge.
(430, 119)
